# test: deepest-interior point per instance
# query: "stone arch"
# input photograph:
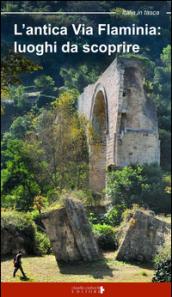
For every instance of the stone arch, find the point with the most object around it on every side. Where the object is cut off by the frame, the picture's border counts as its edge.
(100, 91)
(130, 120)
(98, 143)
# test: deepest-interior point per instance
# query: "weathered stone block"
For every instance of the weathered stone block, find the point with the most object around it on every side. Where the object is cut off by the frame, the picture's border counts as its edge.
(12, 242)
(143, 238)
(70, 233)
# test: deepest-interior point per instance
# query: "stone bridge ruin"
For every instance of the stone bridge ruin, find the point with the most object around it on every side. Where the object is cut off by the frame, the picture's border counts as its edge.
(124, 120)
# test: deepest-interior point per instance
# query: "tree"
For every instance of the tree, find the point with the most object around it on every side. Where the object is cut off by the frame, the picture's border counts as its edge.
(124, 186)
(43, 153)
(20, 127)
(45, 83)
(166, 57)
(162, 99)
(142, 185)
(62, 134)
(23, 174)
(12, 66)
(79, 77)
(19, 96)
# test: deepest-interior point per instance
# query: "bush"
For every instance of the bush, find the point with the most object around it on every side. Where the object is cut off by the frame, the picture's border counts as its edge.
(34, 215)
(114, 215)
(56, 197)
(163, 272)
(154, 194)
(142, 185)
(85, 197)
(105, 236)
(20, 232)
(97, 218)
(53, 195)
(18, 229)
(124, 185)
(37, 219)
(93, 218)
(42, 243)
(163, 264)
(129, 212)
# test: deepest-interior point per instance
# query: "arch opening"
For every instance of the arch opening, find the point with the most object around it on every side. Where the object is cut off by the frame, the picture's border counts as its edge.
(98, 143)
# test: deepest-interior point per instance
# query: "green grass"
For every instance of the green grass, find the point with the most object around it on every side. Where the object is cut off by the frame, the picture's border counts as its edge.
(45, 269)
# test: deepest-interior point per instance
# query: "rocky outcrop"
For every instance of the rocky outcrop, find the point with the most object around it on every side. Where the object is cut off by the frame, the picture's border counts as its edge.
(70, 233)
(12, 242)
(143, 238)
(15, 238)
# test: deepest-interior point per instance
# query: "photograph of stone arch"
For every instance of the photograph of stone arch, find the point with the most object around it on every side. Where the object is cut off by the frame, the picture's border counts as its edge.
(86, 145)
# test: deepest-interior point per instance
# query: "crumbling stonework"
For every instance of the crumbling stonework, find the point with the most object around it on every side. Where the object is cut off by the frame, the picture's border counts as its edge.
(143, 238)
(14, 240)
(124, 119)
(70, 233)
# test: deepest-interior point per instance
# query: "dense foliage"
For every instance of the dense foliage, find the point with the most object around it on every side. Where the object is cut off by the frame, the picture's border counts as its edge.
(163, 263)
(163, 272)
(23, 226)
(111, 216)
(142, 185)
(161, 94)
(44, 153)
(25, 232)
(105, 236)
(43, 245)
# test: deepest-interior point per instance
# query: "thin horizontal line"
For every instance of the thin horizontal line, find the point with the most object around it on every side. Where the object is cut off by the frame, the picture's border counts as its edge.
(59, 12)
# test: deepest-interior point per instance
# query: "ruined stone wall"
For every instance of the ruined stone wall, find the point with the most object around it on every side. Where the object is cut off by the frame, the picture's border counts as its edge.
(138, 148)
(143, 238)
(131, 134)
(138, 139)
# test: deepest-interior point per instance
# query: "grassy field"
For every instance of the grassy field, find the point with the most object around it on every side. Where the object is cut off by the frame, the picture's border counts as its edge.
(45, 269)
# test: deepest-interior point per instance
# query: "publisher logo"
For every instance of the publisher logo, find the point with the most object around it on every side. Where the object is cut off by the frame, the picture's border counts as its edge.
(88, 290)
(102, 290)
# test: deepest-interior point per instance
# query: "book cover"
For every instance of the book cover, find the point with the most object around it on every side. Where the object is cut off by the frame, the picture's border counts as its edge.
(85, 175)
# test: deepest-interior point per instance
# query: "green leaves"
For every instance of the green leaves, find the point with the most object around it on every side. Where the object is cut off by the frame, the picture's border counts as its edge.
(163, 263)
(45, 83)
(44, 153)
(142, 185)
(125, 183)
(80, 76)
(166, 57)
(22, 175)
(13, 65)
(105, 235)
